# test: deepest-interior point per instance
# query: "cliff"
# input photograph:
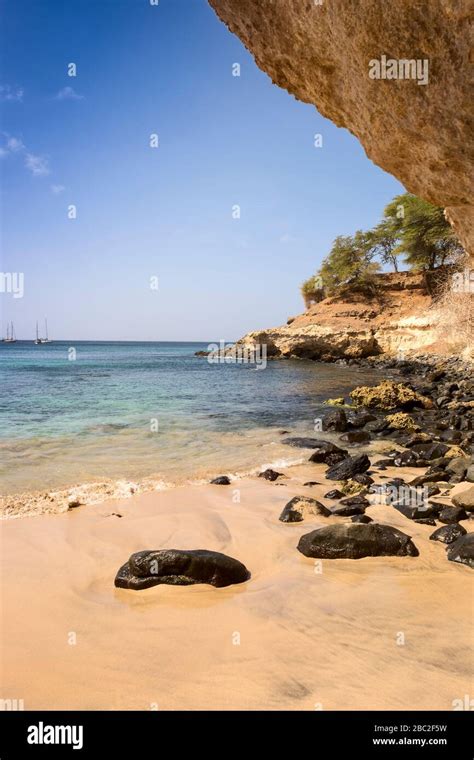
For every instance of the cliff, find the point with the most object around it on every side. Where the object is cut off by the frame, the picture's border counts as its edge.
(418, 129)
(399, 317)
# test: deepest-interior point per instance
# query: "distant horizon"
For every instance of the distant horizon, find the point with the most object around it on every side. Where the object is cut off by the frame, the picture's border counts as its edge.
(118, 340)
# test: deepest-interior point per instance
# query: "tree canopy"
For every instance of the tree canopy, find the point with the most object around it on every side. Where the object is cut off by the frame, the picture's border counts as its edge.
(410, 227)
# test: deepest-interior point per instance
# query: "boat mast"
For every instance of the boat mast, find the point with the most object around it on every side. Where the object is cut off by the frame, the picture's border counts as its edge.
(46, 328)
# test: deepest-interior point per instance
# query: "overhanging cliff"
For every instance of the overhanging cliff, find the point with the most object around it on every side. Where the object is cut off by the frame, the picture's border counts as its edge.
(421, 132)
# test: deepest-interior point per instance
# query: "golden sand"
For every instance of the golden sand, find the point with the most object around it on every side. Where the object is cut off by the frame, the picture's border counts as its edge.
(376, 633)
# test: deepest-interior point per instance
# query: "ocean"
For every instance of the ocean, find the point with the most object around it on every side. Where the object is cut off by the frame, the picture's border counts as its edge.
(122, 410)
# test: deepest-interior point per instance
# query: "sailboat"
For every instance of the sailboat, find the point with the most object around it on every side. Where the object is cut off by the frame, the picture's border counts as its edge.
(11, 337)
(39, 340)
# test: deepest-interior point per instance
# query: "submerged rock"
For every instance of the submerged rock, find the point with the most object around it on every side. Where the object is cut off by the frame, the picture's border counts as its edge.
(300, 507)
(178, 567)
(349, 467)
(462, 550)
(354, 541)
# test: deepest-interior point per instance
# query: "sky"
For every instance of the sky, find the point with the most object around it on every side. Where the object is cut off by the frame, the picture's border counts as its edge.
(157, 250)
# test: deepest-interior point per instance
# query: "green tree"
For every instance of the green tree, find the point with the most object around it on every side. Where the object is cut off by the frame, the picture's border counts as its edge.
(350, 262)
(423, 234)
(383, 240)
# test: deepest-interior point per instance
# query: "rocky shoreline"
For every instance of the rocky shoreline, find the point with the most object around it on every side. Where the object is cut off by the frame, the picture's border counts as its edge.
(430, 420)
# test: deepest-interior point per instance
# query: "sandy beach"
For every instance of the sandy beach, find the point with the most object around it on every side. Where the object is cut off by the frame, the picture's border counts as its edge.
(289, 638)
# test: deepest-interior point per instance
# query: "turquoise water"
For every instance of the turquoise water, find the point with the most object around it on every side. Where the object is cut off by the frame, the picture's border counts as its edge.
(67, 422)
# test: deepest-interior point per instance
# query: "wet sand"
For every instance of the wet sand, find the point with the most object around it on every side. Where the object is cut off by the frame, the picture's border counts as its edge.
(289, 638)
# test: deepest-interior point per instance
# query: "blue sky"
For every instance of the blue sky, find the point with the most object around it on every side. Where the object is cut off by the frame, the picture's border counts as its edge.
(162, 212)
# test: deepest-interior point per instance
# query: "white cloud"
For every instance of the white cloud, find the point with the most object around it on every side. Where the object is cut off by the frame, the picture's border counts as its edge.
(68, 93)
(38, 165)
(14, 144)
(8, 93)
(56, 189)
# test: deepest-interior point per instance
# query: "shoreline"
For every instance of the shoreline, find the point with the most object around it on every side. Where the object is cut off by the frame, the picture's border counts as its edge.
(90, 492)
(298, 634)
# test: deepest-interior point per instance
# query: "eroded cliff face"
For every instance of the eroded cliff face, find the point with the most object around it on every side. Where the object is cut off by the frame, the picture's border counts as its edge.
(400, 318)
(321, 52)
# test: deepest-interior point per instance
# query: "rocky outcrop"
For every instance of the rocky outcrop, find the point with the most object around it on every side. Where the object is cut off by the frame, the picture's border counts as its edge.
(177, 567)
(389, 395)
(398, 318)
(321, 53)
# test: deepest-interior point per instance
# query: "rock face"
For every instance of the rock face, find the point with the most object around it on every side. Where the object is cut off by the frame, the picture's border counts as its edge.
(321, 53)
(356, 540)
(353, 325)
(180, 568)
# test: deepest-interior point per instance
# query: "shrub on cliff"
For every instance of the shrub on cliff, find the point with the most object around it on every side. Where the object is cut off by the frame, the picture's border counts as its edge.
(411, 227)
(424, 236)
(312, 290)
(350, 262)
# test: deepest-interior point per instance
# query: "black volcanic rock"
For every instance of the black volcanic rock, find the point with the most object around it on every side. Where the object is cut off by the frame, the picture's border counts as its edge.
(426, 521)
(363, 478)
(462, 550)
(329, 454)
(348, 510)
(180, 568)
(361, 519)
(447, 534)
(334, 494)
(430, 451)
(270, 474)
(348, 468)
(335, 420)
(304, 443)
(359, 419)
(414, 512)
(354, 541)
(355, 436)
(450, 515)
(300, 506)
(222, 480)
(357, 500)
